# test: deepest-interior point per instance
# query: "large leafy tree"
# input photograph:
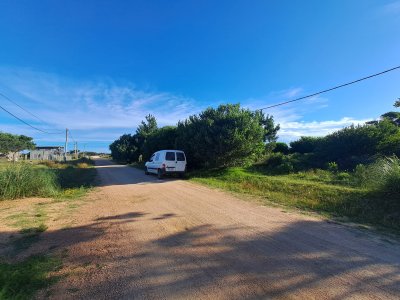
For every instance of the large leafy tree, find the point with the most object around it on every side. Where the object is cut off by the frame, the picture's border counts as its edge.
(11, 143)
(162, 138)
(148, 127)
(128, 147)
(226, 136)
(125, 148)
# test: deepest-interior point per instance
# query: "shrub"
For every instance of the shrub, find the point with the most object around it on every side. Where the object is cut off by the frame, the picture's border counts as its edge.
(332, 166)
(306, 144)
(281, 148)
(24, 180)
(382, 178)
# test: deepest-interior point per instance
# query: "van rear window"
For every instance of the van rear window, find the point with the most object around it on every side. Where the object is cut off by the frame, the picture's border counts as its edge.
(170, 156)
(180, 156)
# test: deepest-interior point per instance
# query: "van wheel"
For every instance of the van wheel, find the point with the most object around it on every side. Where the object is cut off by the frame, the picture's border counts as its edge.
(181, 175)
(159, 174)
(146, 171)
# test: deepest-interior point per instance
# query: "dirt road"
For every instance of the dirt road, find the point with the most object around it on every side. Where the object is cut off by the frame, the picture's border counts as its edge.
(145, 238)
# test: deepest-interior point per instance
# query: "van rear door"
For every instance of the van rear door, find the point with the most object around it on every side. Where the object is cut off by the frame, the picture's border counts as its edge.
(180, 164)
(170, 161)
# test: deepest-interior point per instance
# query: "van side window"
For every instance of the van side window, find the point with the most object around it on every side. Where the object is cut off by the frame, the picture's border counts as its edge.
(151, 158)
(170, 156)
(180, 156)
(157, 157)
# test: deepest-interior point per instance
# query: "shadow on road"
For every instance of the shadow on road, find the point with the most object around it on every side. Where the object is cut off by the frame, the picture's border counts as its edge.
(203, 260)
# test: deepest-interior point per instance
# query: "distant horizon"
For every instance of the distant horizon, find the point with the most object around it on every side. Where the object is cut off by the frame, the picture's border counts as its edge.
(99, 68)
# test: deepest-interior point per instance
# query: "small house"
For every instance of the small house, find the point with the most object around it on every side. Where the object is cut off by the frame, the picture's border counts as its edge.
(47, 153)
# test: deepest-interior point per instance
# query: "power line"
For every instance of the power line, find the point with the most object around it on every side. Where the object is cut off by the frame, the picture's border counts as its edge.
(8, 98)
(26, 123)
(25, 110)
(331, 89)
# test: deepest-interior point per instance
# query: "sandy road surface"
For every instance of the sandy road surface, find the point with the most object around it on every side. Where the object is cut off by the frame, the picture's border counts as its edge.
(171, 239)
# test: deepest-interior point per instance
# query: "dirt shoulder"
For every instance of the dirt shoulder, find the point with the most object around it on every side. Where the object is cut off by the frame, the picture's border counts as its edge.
(139, 237)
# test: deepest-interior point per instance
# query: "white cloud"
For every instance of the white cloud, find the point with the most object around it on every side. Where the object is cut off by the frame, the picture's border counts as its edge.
(95, 110)
(291, 116)
(101, 110)
(293, 130)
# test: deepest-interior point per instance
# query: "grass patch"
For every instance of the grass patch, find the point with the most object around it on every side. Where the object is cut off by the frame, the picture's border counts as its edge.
(356, 203)
(21, 180)
(23, 279)
(28, 219)
(47, 179)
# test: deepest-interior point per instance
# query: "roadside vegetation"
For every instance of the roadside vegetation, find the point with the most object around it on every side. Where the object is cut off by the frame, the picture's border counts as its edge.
(45, 179)
(57, 188)
(359, 196)
(353, 173)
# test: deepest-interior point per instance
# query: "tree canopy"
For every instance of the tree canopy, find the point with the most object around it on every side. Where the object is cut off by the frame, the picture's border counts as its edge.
(11, 143)
(224, 136)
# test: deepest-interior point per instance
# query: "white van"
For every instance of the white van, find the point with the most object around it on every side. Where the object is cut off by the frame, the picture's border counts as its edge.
(167, 162)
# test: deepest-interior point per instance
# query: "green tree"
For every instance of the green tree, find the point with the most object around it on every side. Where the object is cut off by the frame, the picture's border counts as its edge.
(226, 136)
(397, 103)
(358, 144)
(306, 144)
(162, 138)
(281, 148)
(270, 130)
(10, 143)
(148, 127)
(125, 149)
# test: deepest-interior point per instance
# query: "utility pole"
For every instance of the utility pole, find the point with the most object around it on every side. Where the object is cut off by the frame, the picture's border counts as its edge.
(66, 144)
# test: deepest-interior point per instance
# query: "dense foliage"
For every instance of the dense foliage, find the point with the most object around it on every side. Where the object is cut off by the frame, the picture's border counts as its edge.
(10, 143)
(348, 147)
(226, 136)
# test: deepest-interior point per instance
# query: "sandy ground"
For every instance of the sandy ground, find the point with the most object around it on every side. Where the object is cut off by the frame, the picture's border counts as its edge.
(143, 238)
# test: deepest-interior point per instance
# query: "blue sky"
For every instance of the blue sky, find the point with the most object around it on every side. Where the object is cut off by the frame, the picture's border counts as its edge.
(98, 67)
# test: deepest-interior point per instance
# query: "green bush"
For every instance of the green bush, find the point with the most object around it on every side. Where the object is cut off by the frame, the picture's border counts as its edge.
(382, 179)
(24, 180)
(332, 166)
(281, 148)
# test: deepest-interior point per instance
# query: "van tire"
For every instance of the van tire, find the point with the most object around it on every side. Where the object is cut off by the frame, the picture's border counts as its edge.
(159, 174)
(181, 175)
(146, 171)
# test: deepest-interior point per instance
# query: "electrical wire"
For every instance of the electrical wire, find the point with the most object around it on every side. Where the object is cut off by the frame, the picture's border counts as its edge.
(27, 111)
(331, 89)
(26, 123)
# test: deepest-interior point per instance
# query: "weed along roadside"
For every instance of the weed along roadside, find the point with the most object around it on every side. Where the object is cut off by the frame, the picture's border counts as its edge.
(33, 198)
(357, 197)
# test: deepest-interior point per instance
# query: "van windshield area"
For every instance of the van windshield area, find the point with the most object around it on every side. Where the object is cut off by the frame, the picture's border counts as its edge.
(180, 156)
(170, 156)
